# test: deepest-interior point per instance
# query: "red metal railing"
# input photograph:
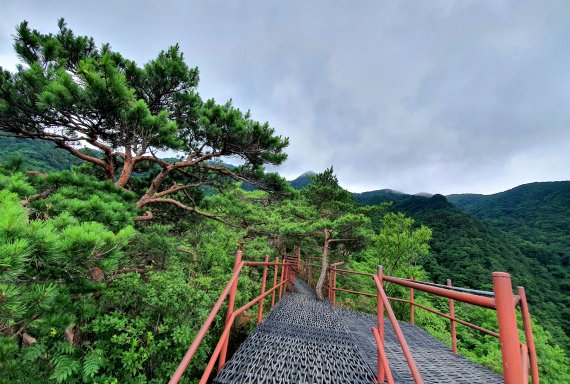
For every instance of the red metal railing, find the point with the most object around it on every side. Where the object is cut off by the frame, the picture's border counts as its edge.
(517, 357)
(287, 280)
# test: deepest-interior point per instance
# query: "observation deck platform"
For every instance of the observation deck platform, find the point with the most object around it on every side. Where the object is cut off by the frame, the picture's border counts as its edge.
(304, 340)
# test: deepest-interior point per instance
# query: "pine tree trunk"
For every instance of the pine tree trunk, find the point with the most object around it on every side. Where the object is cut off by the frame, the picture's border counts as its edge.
(324, 266)
(126, 173)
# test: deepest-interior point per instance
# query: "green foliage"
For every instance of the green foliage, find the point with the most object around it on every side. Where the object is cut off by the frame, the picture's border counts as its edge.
(79, 197)
(46, 286)
(533, 218)
(399, 244)
(133, 324)
(16, 183)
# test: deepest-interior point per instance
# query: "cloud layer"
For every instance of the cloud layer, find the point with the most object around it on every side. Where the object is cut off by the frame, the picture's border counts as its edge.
(436, 96)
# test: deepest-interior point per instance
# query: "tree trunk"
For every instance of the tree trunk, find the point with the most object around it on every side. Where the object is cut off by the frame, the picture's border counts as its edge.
(324, 266)
(109, 171)
(128, 166)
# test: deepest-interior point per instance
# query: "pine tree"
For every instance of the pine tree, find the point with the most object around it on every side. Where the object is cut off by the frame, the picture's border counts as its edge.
(74, 93)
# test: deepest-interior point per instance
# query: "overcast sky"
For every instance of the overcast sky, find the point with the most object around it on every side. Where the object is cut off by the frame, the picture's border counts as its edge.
(418, 96)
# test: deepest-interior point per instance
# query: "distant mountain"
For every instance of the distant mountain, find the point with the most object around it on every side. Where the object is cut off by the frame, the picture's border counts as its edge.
(536, 212)
(523, 231)
(303, 180)
(35, 155)
(379, 196)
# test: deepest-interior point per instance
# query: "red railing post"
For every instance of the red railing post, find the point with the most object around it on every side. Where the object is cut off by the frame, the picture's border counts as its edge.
(289, 277)
(263, 279)
(529, 336)
(282, 278)
(231, 303)
(287, 271)
(412, 307)
(380, 318)
(508, 329)
(334, 286)
(275, 274)
(329, 296)
(453, 326)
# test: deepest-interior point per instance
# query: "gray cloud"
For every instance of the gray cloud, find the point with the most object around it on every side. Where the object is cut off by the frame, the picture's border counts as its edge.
(438, 96)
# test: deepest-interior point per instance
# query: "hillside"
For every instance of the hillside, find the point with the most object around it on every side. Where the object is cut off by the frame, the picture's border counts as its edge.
(468, 249)
(536, 212)
(35, 154)
(523, 231)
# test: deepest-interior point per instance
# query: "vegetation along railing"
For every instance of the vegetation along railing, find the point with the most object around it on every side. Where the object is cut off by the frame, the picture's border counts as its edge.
(517, 358)
(284, 269)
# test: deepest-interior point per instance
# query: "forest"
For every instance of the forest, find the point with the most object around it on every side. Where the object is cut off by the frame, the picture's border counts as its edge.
(111, 255)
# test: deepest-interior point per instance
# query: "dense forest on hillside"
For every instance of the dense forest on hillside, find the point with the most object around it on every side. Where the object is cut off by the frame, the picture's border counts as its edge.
(109, 267)
(37, 155)
(467, 250)
(536, 213)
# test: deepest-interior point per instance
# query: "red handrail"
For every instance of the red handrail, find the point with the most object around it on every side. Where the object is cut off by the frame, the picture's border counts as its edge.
(226, 332)
(529, 336)
(230, 289)
(204, 329)
(383, 365)
(398, 331)
(518, 358)
(469, 298)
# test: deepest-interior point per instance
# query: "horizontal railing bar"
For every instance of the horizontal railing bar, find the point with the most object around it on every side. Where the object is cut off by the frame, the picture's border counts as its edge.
(336, 264)
(470, 325)
(262, 263)
(259, 298)
(354, 272)
(458, 289)
(400, 300)
(469, 298)
(355, 292)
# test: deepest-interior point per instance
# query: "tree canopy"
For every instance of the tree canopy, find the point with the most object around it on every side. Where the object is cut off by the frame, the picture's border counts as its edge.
(106, 110)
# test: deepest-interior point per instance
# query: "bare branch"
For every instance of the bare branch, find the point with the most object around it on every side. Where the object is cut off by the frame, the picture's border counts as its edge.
(187, 208)
(340, 240)
(176, 188)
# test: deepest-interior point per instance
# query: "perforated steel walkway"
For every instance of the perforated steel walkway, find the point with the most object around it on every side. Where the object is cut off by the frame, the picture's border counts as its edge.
(304, 340)
(436, 362)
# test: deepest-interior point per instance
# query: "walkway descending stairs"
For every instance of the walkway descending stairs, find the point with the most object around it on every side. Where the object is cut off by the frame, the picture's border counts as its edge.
(304, 340)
